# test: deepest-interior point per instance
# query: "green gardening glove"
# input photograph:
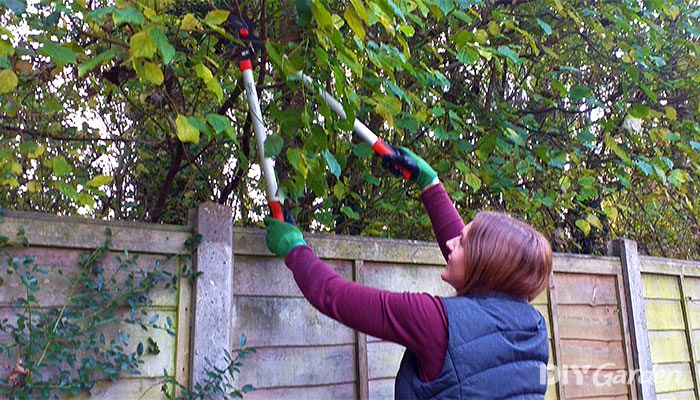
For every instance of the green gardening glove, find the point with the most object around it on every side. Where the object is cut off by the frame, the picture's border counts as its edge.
(282, 237)
(421, 171)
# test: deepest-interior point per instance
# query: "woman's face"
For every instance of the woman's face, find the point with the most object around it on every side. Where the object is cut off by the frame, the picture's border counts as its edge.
(455, 270)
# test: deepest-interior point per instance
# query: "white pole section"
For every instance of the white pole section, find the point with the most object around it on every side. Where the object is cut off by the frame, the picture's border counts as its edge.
(361, 129)
(266, 163)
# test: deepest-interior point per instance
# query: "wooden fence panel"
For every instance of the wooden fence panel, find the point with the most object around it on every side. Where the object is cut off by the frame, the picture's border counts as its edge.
(590, 335)
(56, 244)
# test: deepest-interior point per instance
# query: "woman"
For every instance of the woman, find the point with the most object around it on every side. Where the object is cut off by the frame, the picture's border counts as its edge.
(485, 342)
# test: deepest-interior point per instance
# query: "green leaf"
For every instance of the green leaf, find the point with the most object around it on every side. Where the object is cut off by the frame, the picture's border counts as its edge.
(678, 177)
(60, 166)
(216, 17)
(17, 6)
(128, 15)
(89, 65)
(332, 163)
(545, 27)
(446, 6)
(167, 51)
(362, 150)
(273, 145)
(321, 15)
(141, 45)
(468, 55)
(350, 212)
(611, 144)
(507, 52)
(639, 111)
(514, 136)
(584, 226)
(579, 92)
(59, 54)
(99, 180)
(6, 48)
(303, 8)
(296, 159)
(8, 81)
(221, 123)
(185, 131)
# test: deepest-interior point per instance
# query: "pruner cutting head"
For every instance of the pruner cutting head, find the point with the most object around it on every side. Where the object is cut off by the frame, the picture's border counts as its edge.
(243, 28)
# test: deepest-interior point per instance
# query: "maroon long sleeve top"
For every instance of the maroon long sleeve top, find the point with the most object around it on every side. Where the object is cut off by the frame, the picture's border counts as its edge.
(415, 320)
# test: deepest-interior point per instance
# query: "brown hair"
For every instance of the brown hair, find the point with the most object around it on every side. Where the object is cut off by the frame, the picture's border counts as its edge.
(505, 255)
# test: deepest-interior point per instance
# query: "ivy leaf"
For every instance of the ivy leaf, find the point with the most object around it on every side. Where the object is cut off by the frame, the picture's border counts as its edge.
(273, 145)
(545, 27)
(89, 65)
(60, 166)
(59, 54)
(128, 15)
(216, 17)
(332, 163)
(141, 45)
(185, 131)
(167, 51)
(99, 180)
(8, 81)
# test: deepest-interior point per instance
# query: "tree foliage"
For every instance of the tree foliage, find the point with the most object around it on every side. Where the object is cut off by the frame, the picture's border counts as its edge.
(578, 116)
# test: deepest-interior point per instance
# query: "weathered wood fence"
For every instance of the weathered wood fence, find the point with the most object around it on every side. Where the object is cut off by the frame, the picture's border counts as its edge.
(621, 326)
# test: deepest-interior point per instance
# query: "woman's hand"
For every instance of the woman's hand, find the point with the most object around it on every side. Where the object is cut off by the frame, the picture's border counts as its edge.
(421, 171)
(282, 237)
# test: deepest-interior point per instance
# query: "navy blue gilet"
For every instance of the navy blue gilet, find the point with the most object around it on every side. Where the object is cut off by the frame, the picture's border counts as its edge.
(497, 349)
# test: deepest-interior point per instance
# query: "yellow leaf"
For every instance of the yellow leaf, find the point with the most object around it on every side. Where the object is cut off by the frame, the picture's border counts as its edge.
(354, 22)
(216, 17)
(594, 221)
(671, 113)
(141, 45)
(33, 186)
(99, 180)
(16, 168)
(190, 23)
(149, 71)
(185, 131)
(8, 81)
(37, 153)
(123, 4)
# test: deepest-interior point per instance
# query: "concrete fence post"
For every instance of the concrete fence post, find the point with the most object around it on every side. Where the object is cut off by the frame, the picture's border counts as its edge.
(212, 300)
(636, 316)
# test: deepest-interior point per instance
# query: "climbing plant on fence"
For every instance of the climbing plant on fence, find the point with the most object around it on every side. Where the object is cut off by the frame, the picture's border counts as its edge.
(62, 350)
(580, 116)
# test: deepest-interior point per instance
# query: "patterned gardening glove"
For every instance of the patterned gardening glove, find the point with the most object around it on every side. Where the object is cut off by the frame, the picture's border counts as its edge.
(421, 171)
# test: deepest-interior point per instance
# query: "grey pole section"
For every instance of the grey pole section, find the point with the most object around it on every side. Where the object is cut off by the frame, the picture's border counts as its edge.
(212, 294)
(636, 315)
